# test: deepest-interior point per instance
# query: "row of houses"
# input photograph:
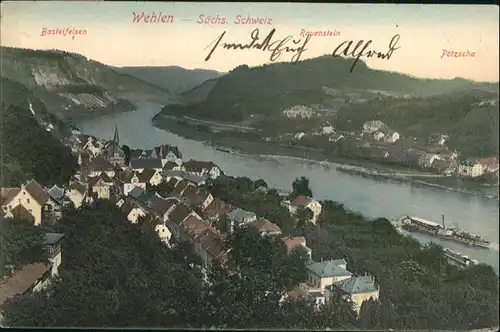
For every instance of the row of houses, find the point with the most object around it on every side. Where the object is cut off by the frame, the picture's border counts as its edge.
(189, 213)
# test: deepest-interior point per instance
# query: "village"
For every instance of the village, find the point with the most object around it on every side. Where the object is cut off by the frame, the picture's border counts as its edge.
(188, 213)
(376, 141)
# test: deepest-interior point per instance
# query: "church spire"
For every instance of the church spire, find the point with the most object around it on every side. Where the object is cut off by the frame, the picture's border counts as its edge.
(116, 138)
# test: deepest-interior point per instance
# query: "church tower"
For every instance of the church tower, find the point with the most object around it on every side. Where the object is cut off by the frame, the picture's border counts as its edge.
(116, 138)
(115, 153)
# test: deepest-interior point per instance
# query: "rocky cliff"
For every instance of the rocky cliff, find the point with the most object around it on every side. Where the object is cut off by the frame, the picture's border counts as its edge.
(70, 84)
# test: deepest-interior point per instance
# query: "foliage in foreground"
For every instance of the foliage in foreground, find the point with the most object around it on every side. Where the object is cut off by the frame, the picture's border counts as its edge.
(117, 274)
(418, 288)
(29, 151)
(22, 242)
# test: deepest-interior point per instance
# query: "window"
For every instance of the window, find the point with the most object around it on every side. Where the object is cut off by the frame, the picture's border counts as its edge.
(27, 200)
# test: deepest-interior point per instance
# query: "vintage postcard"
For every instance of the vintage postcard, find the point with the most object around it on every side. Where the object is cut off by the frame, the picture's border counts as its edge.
(249, 165)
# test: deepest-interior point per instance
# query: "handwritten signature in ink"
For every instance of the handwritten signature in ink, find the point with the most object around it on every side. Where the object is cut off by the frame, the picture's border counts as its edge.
(276, 47)
(363, 45)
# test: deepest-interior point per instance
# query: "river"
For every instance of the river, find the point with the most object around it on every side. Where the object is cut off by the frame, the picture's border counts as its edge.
(373, 198)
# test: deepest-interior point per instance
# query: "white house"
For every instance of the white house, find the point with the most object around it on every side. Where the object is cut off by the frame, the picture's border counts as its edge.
(299, 111)
(52, 245)
(391, 137)
(291, 243)
(306, 203)
(378, 135)
(240, 217)
(335, 138)
(99, 165)
(135, 214)
(93, 146)
(354, 289)
(471, 168)
(164, 233)
(427, 159)
(102, 185)
(202, 168)
(156, 178)
(325, 129)
(77, 193)
(372, 126)
(130, 180)
(325, 273)
(299, 136)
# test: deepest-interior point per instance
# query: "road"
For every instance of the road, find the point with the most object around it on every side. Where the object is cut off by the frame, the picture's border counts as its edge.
(359, 169)
(212, 123)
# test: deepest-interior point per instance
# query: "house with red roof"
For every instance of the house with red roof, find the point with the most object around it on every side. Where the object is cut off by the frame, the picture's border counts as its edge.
(305, 203)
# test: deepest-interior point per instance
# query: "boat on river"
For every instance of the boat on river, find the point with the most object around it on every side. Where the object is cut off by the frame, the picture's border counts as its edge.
(416, 224)
(458, 259)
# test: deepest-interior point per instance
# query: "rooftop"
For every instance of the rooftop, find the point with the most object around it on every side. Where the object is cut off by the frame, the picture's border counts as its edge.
(329, 268)
(264, 226)
(302, 200)
(356, 285)
(37, 192)
(53, 238)
(154, 163)
(240, 214)
(22, 280)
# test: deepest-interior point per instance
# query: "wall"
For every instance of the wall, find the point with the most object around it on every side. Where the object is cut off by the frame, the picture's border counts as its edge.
(156, 179)
(358, 299)
(323, 282)
(26, 200)
(315, 207)
(135, 214)
(102, 191)
(76, 197)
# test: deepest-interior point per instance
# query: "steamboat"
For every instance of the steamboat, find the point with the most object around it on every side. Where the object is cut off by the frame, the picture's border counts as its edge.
(457, 259)
(416, 224)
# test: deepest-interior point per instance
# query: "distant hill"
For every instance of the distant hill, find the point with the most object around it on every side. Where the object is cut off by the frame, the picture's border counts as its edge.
(173, 78)
(270, 88)
(199, 93)
(69, 83)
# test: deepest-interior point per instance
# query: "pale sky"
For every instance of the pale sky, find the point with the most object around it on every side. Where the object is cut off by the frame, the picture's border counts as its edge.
(112, 37)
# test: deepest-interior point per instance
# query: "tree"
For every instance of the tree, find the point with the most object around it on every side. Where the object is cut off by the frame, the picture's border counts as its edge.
(163, 189)
(34, 154)
(260, 183)
(303, 215)
(300, 186)
(22, 242)
(126, 151)
(114, 274)
(336, 312)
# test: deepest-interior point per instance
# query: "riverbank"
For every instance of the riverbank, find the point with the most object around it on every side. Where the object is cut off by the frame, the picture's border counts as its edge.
(250, 144)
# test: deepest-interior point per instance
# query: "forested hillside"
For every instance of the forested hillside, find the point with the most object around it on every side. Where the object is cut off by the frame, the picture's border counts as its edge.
(70, 83)
(29, 151)
(268, 89)
(473, 130)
